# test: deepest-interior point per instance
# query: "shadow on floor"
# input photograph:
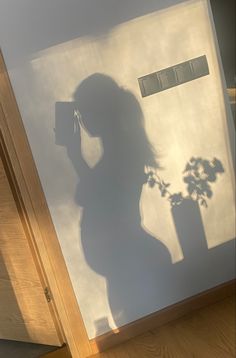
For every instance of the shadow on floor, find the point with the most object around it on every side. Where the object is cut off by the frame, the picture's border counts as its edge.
(14, 349)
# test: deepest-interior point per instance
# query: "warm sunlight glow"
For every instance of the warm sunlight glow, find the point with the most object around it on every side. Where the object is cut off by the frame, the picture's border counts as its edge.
(184, 124)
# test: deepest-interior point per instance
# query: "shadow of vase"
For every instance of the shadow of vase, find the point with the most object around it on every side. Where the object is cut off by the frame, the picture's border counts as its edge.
(201, 266)
(189, 228)
(196, 256)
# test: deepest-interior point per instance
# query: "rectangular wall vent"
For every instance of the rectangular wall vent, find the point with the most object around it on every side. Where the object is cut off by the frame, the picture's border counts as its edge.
(173, 76)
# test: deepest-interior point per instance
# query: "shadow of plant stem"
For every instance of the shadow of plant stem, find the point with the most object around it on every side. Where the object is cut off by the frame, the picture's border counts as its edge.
(198, 174)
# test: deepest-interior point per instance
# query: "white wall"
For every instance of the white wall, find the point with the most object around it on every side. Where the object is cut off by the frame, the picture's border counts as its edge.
(135, 255)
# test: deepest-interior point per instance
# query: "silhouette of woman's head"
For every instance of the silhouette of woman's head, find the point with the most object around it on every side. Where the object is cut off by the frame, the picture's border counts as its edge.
(99, 100)
(109, 111)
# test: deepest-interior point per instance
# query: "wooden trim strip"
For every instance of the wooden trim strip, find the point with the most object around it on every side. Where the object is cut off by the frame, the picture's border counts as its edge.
(163, 316)
(232, 95)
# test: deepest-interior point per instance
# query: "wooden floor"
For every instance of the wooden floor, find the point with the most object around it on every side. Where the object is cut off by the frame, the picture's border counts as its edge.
(207, 333)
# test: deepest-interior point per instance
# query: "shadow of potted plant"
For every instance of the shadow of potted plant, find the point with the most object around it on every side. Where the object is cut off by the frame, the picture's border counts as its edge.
(199, 174)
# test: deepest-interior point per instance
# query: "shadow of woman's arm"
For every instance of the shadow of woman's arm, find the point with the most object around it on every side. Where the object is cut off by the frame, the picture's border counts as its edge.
(74, 154)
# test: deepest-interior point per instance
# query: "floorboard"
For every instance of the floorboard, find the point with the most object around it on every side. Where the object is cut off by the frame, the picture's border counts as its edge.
(206, 333)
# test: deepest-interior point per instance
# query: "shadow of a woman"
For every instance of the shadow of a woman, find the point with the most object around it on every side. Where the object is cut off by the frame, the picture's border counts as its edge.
(114, 243)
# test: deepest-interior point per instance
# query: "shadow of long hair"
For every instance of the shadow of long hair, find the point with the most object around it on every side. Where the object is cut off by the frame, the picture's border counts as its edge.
(108, 110)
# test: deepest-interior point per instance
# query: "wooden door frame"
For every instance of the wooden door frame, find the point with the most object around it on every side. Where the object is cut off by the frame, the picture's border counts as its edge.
(16, 196)
(43, 239)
